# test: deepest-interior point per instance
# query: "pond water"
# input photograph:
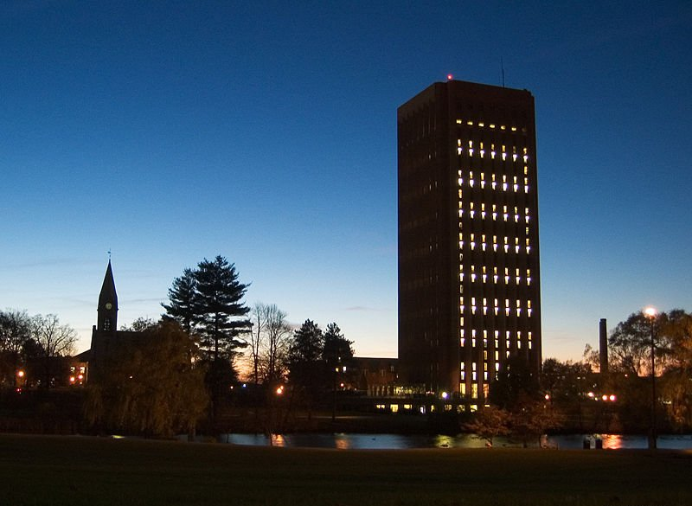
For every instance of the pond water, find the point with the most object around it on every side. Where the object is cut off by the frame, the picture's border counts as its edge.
(403, 442)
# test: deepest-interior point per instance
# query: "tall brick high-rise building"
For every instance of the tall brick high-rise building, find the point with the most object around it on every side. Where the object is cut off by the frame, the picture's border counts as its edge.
(469, 269)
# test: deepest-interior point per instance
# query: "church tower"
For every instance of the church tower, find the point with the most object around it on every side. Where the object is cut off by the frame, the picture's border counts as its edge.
(108, 304)
(104, 334)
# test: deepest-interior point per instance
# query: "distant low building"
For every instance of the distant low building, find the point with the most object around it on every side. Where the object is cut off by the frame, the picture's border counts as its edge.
(79, 367)
(377, 377)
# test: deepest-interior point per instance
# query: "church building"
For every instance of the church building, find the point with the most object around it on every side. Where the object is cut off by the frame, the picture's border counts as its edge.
(106, 340)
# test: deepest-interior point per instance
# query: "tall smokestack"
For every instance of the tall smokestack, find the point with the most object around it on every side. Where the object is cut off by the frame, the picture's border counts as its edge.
(603, 346)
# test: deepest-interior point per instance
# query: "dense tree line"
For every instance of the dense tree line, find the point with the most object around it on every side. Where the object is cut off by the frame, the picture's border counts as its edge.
(316, 357)
(293, 369)
(192, 356)
(35, 348)
(166, 377)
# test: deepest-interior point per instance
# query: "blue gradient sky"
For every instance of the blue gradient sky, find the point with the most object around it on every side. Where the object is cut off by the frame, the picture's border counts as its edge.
(266, 132)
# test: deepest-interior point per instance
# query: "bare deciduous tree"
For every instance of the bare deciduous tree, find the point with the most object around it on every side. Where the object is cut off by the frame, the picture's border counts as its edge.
(255, 340)
(53, 340)
(268, 343)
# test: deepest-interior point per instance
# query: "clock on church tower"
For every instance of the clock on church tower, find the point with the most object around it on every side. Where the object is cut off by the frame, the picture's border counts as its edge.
(108, 303)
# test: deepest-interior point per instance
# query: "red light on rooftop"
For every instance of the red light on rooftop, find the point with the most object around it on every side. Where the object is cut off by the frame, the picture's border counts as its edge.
(450, 77)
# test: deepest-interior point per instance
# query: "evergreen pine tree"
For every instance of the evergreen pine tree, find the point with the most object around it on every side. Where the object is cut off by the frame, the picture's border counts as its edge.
(219, 311)
(305, 361)
(182, 300)
(305, 353)
(208, 301)
(337, 349)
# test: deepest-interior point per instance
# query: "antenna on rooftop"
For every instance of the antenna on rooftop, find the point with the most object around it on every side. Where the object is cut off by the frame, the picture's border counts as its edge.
(502, 69)
(109, 254)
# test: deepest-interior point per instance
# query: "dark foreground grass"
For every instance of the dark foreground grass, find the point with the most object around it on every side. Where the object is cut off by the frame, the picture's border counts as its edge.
(78, 471)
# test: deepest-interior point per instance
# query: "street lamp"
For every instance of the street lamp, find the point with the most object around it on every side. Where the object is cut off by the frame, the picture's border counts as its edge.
(650, 313)
(336, 373)
(21, 379)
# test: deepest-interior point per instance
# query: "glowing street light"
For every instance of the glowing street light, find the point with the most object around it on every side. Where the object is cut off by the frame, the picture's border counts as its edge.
(651, 313)
(21, 378)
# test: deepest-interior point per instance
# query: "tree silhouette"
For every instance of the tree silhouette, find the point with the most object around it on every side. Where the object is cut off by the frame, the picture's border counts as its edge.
(516, 381)
(337, 349)
(15, 331)
(268, 343)
(209, 302)
(182, 299)
(155, 387)
(53, 341)
(305, 361)
(489, 423)
(219, 310)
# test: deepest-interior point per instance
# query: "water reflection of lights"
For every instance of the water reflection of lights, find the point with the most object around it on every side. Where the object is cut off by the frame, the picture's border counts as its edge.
(444, 441)
(401, 442)
(612, 442)
(278, 440)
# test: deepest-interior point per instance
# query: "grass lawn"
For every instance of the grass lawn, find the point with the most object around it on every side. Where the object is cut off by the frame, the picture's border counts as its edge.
(75, 471)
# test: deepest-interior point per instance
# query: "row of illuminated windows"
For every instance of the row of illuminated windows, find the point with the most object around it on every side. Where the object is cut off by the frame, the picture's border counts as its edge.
(474, 376)
(484, 245)
(505, 186)
(495, 308)
(474, 365)
(474, 390)
(494, 180)
(497, 353)
(395, 408)
(492, 210)
(483, 276)
(492, 177)
(491, 126)
(477, 338)
(503, 153)
(486, 238)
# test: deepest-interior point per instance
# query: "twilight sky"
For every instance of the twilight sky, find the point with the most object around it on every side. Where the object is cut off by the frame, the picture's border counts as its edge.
(170, 131)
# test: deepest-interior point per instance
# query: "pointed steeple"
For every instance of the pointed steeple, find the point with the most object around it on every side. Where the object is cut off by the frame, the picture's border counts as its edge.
(108, 303)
